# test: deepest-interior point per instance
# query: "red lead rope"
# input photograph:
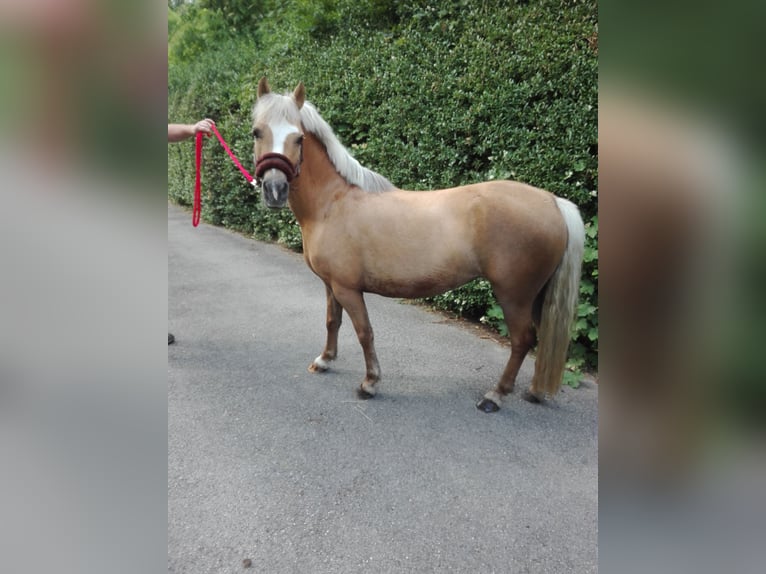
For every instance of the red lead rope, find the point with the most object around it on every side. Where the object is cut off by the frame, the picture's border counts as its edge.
(197, 210)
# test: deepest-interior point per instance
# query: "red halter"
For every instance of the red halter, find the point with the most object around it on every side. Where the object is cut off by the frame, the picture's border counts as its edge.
(276, 161)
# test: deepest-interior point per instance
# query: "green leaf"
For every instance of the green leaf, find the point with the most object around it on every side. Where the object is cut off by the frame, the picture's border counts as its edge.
(572, 379)
(495, 312)
(591, 228)
(585, 309)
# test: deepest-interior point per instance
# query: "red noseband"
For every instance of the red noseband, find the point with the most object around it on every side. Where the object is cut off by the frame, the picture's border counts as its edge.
(275, 161)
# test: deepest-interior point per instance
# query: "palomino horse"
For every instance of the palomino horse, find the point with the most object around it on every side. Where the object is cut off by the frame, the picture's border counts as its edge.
(361, 234)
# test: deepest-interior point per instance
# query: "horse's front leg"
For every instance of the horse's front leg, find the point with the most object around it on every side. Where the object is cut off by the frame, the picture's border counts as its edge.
(334, 319)
(353, 302)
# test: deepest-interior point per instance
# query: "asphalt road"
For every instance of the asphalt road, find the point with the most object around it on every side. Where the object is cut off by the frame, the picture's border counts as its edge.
(289, 470)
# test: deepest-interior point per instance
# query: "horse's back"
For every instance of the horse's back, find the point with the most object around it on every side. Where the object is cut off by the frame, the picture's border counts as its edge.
(491, 219)
(511, 212)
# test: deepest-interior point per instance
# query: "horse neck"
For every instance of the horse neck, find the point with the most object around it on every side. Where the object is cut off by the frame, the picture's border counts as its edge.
(318, 184)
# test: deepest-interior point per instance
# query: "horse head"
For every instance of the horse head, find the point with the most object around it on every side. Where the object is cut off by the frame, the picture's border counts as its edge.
(278, 141)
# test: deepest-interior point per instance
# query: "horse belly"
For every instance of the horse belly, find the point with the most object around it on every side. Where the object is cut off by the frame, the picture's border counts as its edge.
(421, 274)
(411, 288)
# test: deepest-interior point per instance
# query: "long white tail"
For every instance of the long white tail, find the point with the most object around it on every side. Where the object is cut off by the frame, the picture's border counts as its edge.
(559, 307)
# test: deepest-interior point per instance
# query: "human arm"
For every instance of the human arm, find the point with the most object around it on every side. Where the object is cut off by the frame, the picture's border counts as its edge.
(180, 132)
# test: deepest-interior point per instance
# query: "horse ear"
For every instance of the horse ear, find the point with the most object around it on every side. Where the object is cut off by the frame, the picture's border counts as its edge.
(299, 95)
(263, 87)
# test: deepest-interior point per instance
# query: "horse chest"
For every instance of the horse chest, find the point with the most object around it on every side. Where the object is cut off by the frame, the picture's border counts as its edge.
(330, 259)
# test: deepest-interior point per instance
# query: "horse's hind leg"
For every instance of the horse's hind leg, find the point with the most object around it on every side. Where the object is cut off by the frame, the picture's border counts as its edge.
(522, 334)
(334, 319)
(353, 302)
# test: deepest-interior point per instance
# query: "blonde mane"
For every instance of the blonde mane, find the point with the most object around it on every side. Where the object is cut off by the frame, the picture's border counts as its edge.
(273, 105)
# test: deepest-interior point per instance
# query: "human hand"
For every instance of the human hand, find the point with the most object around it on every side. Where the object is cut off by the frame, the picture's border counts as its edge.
(204, 126)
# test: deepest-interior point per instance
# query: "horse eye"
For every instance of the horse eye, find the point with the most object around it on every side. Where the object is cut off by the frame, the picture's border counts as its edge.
(299, 140)
(257, 134)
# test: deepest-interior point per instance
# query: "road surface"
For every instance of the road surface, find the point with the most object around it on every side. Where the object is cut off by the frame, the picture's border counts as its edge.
(288, 470)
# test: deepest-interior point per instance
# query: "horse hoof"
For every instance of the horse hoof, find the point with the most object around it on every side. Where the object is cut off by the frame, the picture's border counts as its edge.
(364, 395)
(530, 398)
(319, 365)
(487, 406)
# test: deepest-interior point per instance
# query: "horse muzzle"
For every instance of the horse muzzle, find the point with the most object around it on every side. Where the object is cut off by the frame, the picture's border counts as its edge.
(276, 173)
(275, 189)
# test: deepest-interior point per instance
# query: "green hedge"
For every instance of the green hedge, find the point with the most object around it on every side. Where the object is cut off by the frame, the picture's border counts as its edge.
(430, 94)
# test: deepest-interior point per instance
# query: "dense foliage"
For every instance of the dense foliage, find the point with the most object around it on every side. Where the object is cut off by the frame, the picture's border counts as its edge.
(430, 93)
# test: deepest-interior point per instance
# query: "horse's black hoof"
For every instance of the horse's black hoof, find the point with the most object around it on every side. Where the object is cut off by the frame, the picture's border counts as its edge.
(362, 394)
(530, 398)
(487, 406)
